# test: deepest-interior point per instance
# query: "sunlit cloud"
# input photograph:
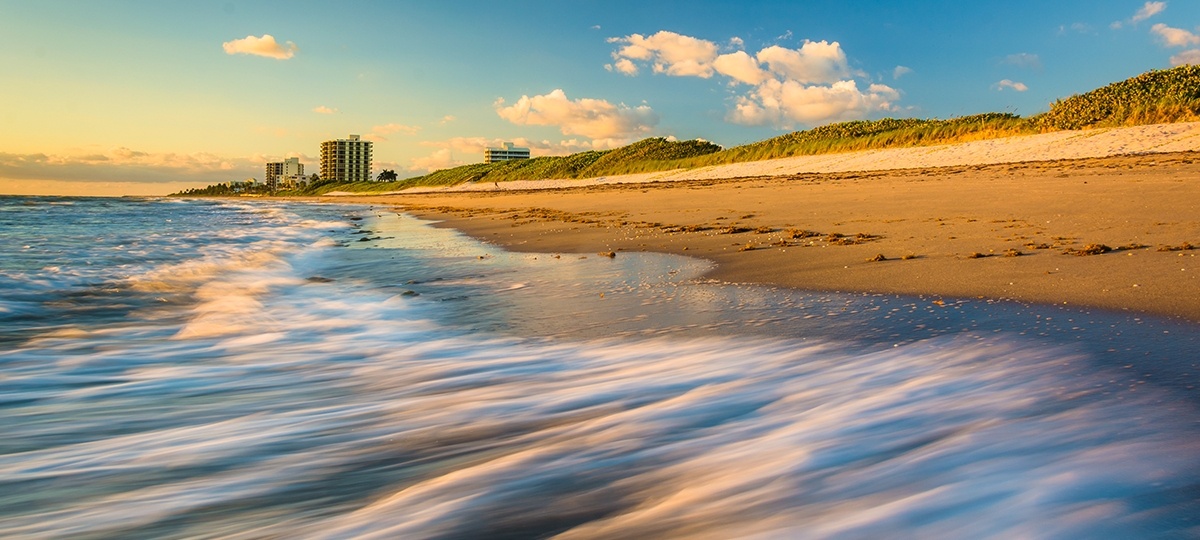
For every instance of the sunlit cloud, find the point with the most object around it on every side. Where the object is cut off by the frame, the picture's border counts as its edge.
(321, 109)
(1013, 85)
(1149, 9)
(901, 71)
(787, 102)
(740, 67)
(447, 119)
(127, 165)
(1175, 37)
(1191, 56)
(261, 46)
(813, 83)
(818, 62)
(592, 118)
(666, 52)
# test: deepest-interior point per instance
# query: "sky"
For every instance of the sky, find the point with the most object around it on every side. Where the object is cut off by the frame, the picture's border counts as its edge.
(146, 98)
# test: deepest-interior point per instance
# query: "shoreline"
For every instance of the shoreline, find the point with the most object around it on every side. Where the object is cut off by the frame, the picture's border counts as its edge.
(941, 231)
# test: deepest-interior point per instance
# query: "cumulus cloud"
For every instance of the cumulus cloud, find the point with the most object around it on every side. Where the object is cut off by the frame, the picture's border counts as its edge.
(623, 65)
(593, 118)
(901, 71)
(740, 67)
(784, 102)
(1191, 56)
(810, 84)
(1015, 86)
(321, 109)
(261, 46)
(666, 52)
(1023, 60)
(814, 62)
(1175, 37)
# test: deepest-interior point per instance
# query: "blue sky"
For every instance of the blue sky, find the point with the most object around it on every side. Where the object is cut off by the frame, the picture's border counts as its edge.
(148, 97)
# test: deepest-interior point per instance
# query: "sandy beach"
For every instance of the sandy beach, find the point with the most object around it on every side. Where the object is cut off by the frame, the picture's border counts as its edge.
(1102, 219)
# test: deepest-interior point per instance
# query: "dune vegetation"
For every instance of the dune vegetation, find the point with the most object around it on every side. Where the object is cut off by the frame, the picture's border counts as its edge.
(1157, 96)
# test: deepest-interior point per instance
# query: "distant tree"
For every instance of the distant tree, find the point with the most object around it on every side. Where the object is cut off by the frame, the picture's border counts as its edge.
(314, 178)
(388, 175)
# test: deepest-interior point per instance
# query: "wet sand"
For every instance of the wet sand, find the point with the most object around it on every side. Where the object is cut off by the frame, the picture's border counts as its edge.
(1113, 233)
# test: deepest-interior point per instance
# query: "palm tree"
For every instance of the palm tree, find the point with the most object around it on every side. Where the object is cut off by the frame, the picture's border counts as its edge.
(387, 175)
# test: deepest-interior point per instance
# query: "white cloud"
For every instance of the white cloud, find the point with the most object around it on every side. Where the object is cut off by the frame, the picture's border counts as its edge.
(1191, 56)
(1016, 86)
(447, 119)
(593, 118)
(785, 102)
(321, 109)
(740, 67)
(901, 71)
(810, 84)
(667, 52)
(1024, 60)
(261, 46)
(623, 65)
(736, 42)
(1175, 37)
(813, 62)
(1149, 9)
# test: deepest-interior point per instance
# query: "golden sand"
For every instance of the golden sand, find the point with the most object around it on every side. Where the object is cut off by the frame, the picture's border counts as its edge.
(1112, 233)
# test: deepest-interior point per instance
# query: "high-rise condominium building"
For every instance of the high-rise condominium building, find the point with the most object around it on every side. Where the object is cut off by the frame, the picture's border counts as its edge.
(507, 153)
(346, 160)
(289, 168)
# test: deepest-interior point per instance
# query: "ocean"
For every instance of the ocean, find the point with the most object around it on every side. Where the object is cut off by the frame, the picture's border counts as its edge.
(223, 369)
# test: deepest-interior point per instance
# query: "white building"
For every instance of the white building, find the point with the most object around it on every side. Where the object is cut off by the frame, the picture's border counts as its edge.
(346, 160)
(507, 153)
(278, 171)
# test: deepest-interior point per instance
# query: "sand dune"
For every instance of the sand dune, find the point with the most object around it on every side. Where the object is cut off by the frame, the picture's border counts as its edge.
(1059, 145)
(1100, 218)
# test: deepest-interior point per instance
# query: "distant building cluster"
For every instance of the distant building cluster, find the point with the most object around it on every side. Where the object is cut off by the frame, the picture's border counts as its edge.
(288, 173)
(508, 152)
(349, 160)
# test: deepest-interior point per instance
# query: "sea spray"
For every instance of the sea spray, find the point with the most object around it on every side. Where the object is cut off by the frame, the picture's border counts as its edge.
(251, 377)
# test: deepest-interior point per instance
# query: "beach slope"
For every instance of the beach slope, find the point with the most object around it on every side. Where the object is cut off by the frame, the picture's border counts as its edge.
(1077, 220)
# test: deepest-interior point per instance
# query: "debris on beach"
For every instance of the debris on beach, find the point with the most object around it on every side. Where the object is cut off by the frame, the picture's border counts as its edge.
(1090, 249)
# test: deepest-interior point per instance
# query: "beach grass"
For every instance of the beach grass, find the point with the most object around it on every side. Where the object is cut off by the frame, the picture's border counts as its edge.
(1154, 97)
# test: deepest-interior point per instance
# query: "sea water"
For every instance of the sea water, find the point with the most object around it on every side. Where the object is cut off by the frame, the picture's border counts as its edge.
(196, 368)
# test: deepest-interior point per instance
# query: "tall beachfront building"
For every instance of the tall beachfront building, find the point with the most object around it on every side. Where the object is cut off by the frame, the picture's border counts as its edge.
(286, 170)
(346, 160)
(507, 153)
